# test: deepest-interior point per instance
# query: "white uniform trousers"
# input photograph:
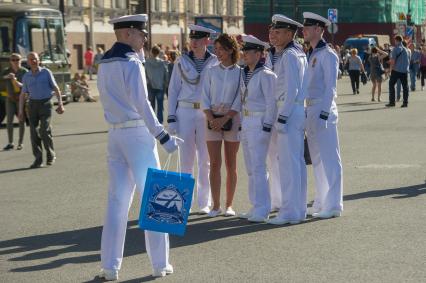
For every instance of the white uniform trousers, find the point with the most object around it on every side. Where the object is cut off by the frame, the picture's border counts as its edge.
(130, 152)
(292, 167)
(192, 129)
(325, 155)
(273, 171)
(255, 144)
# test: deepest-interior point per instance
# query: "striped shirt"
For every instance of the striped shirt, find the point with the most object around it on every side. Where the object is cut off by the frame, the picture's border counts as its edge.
(276, 56)
(199, 63)
(248, 77)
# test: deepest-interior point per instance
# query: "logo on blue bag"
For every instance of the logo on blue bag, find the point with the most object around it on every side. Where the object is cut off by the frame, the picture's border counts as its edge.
(166, 205)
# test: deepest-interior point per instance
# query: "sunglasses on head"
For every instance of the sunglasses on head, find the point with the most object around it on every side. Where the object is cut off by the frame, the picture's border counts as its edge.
(15, 60)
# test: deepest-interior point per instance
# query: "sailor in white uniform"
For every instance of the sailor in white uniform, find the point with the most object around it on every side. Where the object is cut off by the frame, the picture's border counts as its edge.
(186, 117)
(319, 87)
(289, 68)
(258, 116)
(131, 144)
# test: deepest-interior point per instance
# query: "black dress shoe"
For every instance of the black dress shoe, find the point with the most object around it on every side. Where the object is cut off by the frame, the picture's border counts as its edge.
(404, 105)
(8, 147)
(36, 164)
(390, 105)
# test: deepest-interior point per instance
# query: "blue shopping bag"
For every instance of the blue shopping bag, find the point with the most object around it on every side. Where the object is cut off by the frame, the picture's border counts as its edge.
(166, 201)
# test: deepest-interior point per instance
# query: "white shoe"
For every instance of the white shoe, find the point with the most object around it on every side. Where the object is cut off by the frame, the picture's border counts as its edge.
(245, 215)
(161, 272)
(282, 221)
(214, 213)
(230, 212)
(109, 274)
(311, 211)
(204, 210)
(327, 214)
(258, 219)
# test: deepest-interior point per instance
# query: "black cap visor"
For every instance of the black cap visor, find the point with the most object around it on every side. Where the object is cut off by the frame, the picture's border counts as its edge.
(141, 26)
(313, 22)
(252, 46)
(278, 25)
(195, 34)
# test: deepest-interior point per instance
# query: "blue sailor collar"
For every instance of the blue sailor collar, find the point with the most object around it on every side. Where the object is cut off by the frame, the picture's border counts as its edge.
(206, 55)
(293, 44)
(118, 52)
(321, 44)
(260, 65)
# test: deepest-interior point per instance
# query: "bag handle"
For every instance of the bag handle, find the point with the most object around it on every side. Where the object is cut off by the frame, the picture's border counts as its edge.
(168, 161)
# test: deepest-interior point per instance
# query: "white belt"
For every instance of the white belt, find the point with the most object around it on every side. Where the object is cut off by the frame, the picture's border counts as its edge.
(280, 103)
(312, 101)
(128, 124)
(248, 113)
(194, 105)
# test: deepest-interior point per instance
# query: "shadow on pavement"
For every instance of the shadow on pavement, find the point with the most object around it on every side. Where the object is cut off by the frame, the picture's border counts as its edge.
(16, 170)
(81, 134)
(399, 193)
(362, 110)
(49, 246)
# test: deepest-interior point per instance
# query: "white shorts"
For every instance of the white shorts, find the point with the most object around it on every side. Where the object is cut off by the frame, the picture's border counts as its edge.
(231, 136)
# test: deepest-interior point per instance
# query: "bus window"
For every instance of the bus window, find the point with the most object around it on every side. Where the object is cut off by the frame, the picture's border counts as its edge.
(44, 36)
(5, 35)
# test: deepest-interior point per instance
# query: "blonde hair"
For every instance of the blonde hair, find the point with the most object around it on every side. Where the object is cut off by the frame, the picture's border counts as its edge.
(354, 51)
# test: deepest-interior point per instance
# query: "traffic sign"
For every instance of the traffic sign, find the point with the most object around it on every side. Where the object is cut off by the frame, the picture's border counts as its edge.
(332, 15)
(332, 29)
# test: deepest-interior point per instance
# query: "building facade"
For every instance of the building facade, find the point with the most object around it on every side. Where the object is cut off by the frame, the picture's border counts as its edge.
(387, 17)
(86, 21)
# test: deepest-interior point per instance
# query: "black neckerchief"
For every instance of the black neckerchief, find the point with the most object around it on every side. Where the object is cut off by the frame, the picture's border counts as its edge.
(260, 64)
(294, 45)
(118, 50)
(321, 44)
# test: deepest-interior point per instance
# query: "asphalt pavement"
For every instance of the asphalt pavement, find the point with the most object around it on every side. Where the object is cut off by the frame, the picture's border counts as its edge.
(51, 218)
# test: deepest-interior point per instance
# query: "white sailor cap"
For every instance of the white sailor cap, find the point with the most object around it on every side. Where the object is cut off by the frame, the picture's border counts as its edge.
(281, 21)
(197, 31)
(251, 42)
(312, 19)
(131, 21)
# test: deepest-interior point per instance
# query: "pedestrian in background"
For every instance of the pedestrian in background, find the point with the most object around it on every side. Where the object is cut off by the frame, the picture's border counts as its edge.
(377, 71)
(221, 104)
(89, 57)
(98, 57)
(13, 76)
(157, 79)
(39, 84)
(414, 66)
(355, 69)
(399, 62)
(423, 67)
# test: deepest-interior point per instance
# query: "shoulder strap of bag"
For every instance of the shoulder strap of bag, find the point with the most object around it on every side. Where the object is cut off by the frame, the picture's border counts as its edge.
(238, 88)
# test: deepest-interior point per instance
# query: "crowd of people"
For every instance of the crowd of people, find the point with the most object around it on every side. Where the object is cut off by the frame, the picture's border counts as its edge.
(279, 96)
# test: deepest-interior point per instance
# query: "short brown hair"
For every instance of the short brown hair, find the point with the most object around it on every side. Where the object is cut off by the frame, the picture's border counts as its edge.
(155, 50)
(15, 55)
(230, 43)
(398, 38)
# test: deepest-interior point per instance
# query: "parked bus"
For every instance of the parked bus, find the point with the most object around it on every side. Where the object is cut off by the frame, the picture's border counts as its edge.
(26, 28)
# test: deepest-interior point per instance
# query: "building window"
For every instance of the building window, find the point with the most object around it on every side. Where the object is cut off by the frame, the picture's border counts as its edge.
(206, 5)
(156, 5)
(191, 6)
(232, 7)
(173, 6)
(99, 3)
(121, 4)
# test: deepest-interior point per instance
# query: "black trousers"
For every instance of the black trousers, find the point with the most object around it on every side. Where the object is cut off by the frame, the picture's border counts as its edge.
(354, 75)
(394, 77)
(423, 74)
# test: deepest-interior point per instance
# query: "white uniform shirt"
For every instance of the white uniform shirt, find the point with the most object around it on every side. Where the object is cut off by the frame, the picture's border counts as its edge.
(185, 82)
(289, 68)
(122, 88)
(220, 90)
(258, 95)
(320, 79)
